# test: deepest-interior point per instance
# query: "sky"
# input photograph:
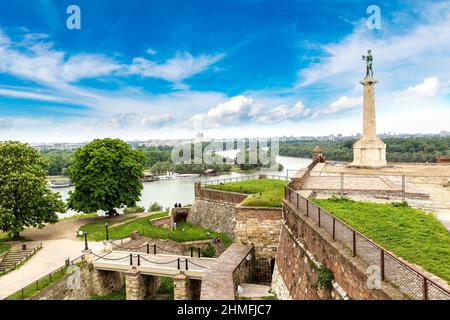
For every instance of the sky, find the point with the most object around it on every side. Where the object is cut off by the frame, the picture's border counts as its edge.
(140, 70)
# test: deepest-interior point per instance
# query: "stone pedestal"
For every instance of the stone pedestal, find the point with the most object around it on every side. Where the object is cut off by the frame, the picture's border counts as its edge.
(140, 287)
(369, 151)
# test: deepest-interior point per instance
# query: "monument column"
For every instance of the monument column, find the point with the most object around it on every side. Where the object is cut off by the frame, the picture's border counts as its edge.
(369, 122)
(369, 151)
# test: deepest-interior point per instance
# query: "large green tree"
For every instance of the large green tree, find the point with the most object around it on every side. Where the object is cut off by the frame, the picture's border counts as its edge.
(107, 175)
(25, 199)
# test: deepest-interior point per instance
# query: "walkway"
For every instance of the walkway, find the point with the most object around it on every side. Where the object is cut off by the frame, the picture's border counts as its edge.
(160, 265)
(59, 242)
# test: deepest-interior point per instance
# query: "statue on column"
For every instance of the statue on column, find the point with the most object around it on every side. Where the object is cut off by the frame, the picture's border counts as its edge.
(369, 60)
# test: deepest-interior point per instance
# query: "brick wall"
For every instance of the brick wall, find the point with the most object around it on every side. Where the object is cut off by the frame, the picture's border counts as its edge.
(301, 242)
(259, 227)
(232, 268)
(214, 215)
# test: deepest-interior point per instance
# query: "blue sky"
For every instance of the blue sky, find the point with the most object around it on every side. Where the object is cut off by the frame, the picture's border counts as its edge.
(167, 69)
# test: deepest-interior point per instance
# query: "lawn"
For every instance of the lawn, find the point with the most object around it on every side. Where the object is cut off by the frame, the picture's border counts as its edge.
(262, 192)
(410, 233)
(4, 247)
(35, 287)
(184, 231)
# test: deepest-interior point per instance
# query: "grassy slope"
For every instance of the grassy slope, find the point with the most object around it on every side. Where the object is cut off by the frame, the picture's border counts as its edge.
(263, 192)
(409, 233)
(184, 231)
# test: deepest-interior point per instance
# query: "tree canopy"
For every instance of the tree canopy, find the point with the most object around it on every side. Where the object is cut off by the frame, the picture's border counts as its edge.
(25, 199)
(106, 174)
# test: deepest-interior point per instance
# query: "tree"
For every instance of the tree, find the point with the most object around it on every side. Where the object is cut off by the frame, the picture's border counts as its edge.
(107, 175)
(25, 199)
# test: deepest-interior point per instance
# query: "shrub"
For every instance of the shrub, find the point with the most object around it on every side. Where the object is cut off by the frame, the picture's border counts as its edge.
(166, 285)
(209, 251)
(155, 206)
(325, 278)
(403, 204)
(135, 209)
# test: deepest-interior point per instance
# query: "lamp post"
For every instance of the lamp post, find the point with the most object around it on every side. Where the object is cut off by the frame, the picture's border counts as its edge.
(107, 233)
(85, 241)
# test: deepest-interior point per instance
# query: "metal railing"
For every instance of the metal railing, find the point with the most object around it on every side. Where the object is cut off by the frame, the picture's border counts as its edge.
(28, 256)
(411, 282)
(209, 182)
(43, 282)
(182, 263)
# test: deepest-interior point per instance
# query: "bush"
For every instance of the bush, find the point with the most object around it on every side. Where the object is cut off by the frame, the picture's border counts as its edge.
(135, 209)
(325, 278)
(209, 251)
(166, 286)
(155, 206)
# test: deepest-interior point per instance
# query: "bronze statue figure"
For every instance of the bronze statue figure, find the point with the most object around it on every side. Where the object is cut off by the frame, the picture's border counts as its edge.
(369, 60)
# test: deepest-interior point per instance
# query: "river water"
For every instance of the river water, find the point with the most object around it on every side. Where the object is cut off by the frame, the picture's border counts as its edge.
(169, 192)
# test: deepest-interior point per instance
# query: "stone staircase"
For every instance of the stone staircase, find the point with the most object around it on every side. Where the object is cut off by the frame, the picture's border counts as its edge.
(15, 256)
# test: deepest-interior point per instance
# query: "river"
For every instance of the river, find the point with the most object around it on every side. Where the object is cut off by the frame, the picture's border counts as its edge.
(169, 192)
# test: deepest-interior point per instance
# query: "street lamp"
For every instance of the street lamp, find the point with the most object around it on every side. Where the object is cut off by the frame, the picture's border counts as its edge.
(85, 241)
(107, 233)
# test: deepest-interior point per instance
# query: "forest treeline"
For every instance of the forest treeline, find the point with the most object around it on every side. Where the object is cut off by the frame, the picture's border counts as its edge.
(420, 149)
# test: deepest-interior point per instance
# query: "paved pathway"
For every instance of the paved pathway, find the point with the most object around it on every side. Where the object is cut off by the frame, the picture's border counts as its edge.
(59, 242)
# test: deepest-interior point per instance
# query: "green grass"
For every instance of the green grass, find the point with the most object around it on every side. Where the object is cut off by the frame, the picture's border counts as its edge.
(117, 295)
(32, 289)
(409, 233)
(184, 231)
(79, 215)
(4, 247)
(262, 192)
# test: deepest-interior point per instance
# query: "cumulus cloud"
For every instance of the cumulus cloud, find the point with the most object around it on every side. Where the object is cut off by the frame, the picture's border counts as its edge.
(182, 66)
(428, 88)
(342, 104)
(235, 110)
(283, 112)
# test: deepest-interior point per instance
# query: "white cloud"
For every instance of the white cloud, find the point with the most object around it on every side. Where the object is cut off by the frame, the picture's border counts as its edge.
(398, 57)
(342, 104)
(283, 112)
(131, 120)
(428, 88)
(30, 95)
(151, 52)
(182, 66)
(236, 109)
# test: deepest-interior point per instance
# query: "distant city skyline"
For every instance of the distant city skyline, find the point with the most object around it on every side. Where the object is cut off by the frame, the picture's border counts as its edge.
(141, 70)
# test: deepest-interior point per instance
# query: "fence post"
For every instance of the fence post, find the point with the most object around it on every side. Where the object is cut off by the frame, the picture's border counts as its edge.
(199, 252)
(139, 260)
(154, 249)
(334, 228)
(178, 262)
(187, 261)
(131, 259)
(354, 243)
(148, 248)
(307, 207)
(382, 264)
(425, 289)
(403, 188)
(318, 215)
